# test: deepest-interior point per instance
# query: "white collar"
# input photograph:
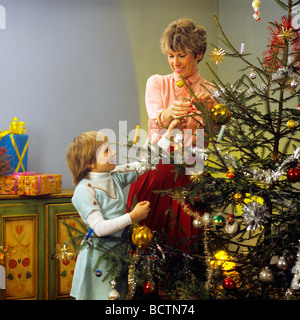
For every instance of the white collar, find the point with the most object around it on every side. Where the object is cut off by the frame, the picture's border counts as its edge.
(98, 175)
(103, 181)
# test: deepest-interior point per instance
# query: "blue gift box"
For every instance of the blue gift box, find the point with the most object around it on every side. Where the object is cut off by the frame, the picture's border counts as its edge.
(16, 143)
(17, 150)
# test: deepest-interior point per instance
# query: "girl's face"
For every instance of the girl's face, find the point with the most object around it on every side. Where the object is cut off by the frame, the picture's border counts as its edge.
(105, 159)
(184, 64)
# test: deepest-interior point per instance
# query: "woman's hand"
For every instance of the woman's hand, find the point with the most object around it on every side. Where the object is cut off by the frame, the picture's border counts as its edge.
(206, 98)
(178, 109)
(140, 211)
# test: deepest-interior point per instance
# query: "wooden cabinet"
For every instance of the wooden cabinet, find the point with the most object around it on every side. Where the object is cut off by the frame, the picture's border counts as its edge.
(32, 226)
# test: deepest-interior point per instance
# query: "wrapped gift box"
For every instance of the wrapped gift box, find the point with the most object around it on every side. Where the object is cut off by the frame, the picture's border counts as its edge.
(16, 143)
(7, 185)
(30, 183)
(17, 150)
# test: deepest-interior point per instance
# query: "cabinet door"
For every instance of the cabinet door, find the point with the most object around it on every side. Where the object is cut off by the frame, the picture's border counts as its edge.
(60, 270)
(22, 227)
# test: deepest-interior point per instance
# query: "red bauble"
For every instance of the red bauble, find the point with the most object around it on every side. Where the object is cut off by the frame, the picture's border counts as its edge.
(228, 284)
(293, 175)
(149, 287)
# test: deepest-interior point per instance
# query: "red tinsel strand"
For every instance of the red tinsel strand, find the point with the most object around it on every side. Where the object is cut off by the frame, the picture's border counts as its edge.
(281, 34)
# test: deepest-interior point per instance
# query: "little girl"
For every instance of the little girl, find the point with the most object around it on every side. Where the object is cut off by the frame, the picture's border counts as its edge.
(100, 202)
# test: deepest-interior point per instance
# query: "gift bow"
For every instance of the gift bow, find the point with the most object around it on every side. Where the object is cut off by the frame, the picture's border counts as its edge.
(15, 127)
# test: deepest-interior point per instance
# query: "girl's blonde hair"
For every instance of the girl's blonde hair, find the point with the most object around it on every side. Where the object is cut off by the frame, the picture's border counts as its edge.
(183, 35)
(81, 153)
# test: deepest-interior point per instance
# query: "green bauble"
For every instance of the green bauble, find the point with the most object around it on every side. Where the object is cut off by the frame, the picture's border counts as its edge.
(219, 220)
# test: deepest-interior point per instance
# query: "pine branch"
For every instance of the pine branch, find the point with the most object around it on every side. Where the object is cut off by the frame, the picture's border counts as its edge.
(207, 121)
(282, 4)
(232, 47)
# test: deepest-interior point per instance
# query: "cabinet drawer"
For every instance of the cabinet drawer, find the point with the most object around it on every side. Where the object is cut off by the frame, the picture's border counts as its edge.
(21, 226)
(60, 274)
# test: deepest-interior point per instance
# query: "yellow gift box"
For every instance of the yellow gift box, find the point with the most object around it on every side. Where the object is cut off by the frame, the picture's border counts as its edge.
(30, 183)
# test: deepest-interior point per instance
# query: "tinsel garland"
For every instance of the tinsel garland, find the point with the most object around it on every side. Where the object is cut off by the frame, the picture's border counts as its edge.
(295, 284)
(209, 270)
(131, 290)
(265, 176)
(255, 90)
(270, 176)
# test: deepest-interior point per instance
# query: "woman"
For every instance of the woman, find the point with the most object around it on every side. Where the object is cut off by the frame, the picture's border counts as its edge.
(184, 43)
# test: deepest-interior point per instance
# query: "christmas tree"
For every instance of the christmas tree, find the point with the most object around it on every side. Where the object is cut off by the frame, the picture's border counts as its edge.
(246, 200)
(249, 183)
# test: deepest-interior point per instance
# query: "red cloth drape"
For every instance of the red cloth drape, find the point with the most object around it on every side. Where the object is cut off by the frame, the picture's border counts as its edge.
(177, 225)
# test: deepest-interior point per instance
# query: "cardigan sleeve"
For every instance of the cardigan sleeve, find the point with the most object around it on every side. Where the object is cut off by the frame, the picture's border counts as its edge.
(155, 105)
(153, 98)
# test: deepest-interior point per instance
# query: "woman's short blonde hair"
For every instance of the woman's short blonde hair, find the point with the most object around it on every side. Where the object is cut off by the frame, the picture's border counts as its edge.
(81, 153)
(183, 35)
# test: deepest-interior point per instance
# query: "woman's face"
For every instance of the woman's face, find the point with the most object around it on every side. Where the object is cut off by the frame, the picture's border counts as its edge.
(184, 64)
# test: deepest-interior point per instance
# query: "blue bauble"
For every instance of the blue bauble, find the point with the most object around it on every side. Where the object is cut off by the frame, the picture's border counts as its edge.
(98, 273)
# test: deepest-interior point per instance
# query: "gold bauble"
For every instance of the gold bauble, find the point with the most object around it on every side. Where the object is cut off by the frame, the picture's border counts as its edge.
(291, 124)
(238, 197)
(180, 83)
(142, 237)
(220, 113)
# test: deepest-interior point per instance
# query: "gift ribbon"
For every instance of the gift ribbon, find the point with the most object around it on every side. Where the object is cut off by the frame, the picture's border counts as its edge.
(17, 174)
(16, 127)
(20, 157)
(29, 173)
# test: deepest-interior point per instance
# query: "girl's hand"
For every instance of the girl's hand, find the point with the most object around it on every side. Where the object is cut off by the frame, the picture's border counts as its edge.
(140, 211)
(172, 125)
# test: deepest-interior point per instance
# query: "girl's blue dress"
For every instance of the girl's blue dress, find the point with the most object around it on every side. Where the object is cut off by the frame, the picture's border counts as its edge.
(106, 195)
